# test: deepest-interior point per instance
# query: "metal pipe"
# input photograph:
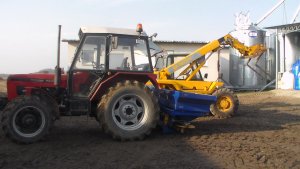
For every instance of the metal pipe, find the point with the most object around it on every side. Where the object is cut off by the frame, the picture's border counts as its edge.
(296, 14)
(218, 64)
(199, 67)
(261, 69)
(269, 64)
(57, 77)
(248, 65)
(58, 46)
(283, 38)
(276, 58)
(268, 85)
(269, 12)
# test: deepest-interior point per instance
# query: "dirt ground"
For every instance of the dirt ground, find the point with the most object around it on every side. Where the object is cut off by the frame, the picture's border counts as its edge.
(264, 134)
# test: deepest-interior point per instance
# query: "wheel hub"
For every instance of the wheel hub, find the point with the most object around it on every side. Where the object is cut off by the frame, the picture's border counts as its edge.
(225, 103)
(28, 121)
(128, 112)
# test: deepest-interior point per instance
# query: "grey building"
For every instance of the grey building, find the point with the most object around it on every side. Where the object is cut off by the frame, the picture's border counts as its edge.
(286, 42)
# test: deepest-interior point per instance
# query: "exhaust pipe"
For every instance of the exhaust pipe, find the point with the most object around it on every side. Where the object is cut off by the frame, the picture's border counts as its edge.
(57, 77)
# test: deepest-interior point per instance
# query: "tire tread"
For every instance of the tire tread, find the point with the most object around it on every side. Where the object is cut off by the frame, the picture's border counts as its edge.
(105, 98)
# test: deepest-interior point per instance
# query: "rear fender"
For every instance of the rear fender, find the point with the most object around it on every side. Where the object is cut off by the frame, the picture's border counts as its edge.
(119, 77)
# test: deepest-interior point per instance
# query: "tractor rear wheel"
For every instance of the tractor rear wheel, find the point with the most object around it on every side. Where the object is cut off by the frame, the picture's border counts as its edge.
(128, 111)
(227, 103)
(26, 119)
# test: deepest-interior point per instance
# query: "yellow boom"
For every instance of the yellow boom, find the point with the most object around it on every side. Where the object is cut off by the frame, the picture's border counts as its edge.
(196, 60)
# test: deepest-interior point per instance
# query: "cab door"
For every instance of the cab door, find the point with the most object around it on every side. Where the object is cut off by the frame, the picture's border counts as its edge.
(88, 66)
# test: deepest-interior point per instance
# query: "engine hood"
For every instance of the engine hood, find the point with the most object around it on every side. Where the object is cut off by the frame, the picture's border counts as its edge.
(18, 84)
(37, 78)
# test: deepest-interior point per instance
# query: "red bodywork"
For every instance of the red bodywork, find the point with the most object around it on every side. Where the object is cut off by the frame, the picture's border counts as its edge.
(27, 82)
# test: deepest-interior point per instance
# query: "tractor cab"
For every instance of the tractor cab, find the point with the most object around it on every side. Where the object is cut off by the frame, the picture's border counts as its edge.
(104, 52)
(103, 57)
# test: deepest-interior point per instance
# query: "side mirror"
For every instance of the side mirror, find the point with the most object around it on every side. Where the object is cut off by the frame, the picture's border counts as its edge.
(205, 75)
(114, 42)
(152, 36)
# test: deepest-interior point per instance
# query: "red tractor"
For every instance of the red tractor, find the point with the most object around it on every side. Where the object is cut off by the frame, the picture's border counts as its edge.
(106, 80)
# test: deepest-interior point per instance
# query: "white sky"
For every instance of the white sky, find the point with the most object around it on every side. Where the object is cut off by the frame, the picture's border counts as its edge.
(28, 30)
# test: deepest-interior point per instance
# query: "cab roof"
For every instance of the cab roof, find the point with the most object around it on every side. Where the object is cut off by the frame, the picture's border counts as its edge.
(108, 30)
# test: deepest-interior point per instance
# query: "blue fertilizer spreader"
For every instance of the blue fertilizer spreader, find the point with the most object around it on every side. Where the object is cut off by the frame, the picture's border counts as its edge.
(179, 108)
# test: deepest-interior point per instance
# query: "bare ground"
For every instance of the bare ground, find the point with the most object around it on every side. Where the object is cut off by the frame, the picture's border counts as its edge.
(264, 134)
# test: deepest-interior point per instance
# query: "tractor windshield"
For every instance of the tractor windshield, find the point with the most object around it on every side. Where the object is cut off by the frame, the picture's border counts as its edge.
(92, 54)
(131, 55)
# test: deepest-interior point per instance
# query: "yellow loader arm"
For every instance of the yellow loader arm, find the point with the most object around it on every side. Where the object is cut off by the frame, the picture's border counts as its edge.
(247, 52)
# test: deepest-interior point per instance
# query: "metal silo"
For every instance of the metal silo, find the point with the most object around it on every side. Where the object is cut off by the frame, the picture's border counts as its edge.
(245, 73)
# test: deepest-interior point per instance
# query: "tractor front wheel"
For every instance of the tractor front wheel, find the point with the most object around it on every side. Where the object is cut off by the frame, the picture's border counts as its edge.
(128, 111)
(227, 103)
(26, 119)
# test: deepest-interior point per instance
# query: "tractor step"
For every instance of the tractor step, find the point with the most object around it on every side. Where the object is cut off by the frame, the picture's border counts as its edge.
(79, 106)
(3, 102)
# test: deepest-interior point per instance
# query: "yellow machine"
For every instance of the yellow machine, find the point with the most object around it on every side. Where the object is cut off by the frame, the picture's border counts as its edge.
(227, 101)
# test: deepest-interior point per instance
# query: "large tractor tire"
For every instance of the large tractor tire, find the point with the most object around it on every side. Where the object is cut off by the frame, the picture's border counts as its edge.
(227, 103)
(128, 111)
(26, 119)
